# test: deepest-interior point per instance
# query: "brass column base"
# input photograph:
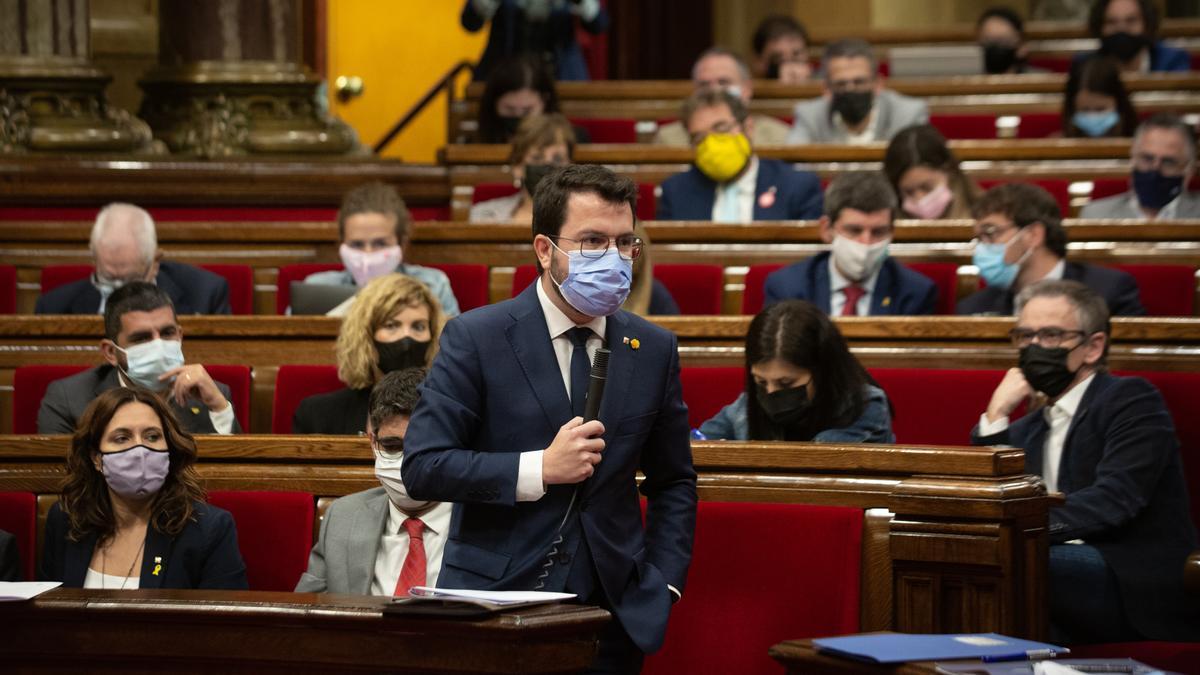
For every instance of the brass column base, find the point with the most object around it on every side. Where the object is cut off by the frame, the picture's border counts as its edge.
(222, 109)
(58, 106)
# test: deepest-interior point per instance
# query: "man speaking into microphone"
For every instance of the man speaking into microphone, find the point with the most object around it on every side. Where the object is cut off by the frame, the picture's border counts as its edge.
(547, 500)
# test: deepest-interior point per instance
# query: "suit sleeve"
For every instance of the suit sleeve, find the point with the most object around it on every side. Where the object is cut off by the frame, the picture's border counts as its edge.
(223, 567)
(54, 415)
(670, 483)
(808, 202)
(54, 539)
(928, 303)
(1126, 297)
(303, 418)
(439, 463)
(314, 578)
(1138, 444)
(218, 301)
(10, 560)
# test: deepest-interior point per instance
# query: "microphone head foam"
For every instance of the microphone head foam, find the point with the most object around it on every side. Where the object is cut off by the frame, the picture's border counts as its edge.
(600, 363)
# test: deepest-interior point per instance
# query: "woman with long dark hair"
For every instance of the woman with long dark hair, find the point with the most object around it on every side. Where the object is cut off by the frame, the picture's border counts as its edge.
(802, 384)
(926, 176)
(1095, 102)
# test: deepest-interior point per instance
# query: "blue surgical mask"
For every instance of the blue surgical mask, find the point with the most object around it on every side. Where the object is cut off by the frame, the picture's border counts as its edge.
(146, 362)
(1095, 123)
(596, 286)
(989, 258)
(1155, 190)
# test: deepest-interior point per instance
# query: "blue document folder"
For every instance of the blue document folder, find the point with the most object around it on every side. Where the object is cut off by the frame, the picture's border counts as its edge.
(900, 647)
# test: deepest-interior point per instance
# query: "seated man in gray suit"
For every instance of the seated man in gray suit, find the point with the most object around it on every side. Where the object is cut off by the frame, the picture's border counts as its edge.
(1163, 158)
(142, 346)
(855, 109)
(381, 541)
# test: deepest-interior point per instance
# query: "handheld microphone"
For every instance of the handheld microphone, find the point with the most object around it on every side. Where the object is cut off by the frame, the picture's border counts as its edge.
(596, 381)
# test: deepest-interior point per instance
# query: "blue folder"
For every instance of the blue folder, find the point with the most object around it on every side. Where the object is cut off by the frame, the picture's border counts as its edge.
(901, 647)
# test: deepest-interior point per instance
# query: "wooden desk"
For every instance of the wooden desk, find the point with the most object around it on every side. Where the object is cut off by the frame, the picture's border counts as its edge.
(800, 657)
(156, 631)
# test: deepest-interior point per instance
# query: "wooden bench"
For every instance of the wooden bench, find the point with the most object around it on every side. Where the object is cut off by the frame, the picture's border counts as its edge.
(954, 538)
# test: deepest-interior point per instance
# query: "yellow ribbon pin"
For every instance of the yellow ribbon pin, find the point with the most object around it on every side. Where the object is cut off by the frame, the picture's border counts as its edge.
(157, 565)
(887, 301)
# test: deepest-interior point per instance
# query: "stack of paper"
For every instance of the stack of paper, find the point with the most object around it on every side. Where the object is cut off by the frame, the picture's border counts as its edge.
(14, 591)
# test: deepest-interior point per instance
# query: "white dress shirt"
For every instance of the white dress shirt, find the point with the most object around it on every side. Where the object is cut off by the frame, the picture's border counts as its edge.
(837, 298)
(95, 579)
(393, 547)
(222, 420)
(734, 202)
(529, 470)
(867, 135)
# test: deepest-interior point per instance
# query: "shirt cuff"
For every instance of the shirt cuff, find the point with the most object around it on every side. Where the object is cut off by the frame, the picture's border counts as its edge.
(675, 591)
(586, 10)
(529, 476)
(222, 421)
(987, 428)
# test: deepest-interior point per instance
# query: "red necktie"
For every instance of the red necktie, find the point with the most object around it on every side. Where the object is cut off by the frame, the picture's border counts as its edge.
(413, 571)
(853, 294)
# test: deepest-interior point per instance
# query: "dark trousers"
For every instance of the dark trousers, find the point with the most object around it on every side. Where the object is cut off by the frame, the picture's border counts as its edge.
(618, 654)
(1085, 600)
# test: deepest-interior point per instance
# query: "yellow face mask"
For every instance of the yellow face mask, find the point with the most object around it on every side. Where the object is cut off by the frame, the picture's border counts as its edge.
(721, 156)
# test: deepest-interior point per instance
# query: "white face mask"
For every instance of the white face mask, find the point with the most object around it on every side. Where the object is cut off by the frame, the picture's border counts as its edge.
(387, 470)
(858, 261)
(147, 361)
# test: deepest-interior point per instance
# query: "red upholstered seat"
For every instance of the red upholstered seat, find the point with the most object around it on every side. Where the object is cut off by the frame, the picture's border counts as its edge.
(241, 286)
(708, 389)
(274, 531)
(738, 604)
(697, 289)
(18, 517)
(604, 130)
(237, 378)
(1165, 290)
(29, 387)
(959, 126)
(54, 276)
(1178, 657)
(293, 384)
(934, 406)
(484, 192)
(469, 283)
(1051, 62)
(296, 272)
(1057, 187)
(646, 204)
(1039, 125)
(752, 295)
(428, 212)
(945, 276)
(8, 289)
(523, 275)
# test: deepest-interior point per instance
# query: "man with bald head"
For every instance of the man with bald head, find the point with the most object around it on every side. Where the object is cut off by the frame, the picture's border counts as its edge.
(719, 69)
(124, 248)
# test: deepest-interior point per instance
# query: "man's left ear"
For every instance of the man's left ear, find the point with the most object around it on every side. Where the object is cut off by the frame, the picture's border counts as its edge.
(1036, 235)
(108, 349)
(826, 228)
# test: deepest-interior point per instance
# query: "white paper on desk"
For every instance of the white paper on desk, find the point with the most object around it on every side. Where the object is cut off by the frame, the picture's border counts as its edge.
(1052, 668)
(497, 597)
(13, 591)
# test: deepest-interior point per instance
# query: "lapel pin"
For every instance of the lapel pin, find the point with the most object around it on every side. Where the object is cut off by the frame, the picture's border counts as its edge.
(887, 301)
(157, 565)
(634, 343)
(195, 410)
(767, 199)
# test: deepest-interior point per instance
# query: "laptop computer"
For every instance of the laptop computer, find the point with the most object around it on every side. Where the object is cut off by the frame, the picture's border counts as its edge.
(318, 298)
(935, 60)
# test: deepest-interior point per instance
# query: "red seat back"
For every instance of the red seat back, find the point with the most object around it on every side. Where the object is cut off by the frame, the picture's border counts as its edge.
(945, 276)
(646, 202)
(934, 406)
(736, 606)
(274, 531)
(1039, 124)
(29, 387)
(8, 289)
(752, 294)
(293, 384)
(18, 517)
(237, 378)
(296, 272)
(241, 286)
(428, 212)
(523, 275)
(697, 289)
(960, 126)
(469, 283)
(1165, 290)
(484, 192)
(1179, 392)
(708, 389)
(608, 130)
(1057, 187)
(1051, 62)
(54, 276)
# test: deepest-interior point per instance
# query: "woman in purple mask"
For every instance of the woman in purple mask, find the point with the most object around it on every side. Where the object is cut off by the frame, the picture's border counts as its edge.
(132, 513)
(926, 177)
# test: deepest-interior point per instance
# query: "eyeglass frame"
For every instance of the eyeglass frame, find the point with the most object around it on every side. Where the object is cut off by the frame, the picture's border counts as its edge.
(1023, 337)
(384, 446)
(635, 246)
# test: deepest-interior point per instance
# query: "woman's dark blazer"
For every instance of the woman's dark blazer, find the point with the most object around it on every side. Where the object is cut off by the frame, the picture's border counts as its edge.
(342, 412)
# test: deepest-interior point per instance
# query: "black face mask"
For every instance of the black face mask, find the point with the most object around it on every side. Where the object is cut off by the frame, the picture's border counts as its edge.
(509, 124)
(1046, 369)
(773, 70)
(785, 407)
(534, 173)
(1124, 46)
(853, 106)
(998, 59)
(401, 354)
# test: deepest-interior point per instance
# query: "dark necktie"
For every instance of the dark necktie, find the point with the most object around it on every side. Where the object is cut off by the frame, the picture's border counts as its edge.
(853, 293)
(581, 367)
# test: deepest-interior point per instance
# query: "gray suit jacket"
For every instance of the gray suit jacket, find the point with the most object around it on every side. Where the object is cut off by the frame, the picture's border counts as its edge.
(66, 399)
(343, 559)
(1125, 205)
(767, 131)
(814, 124)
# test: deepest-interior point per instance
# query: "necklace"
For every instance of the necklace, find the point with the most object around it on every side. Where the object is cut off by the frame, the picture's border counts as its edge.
(125, 579)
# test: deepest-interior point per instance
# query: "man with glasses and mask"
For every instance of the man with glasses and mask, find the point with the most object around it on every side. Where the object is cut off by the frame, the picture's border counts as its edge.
(1020, 240)
(855, 277)
(142, 346)
(856, 108)
(381, 541)
(728, 183)
(544, 499)
(1163, 161)
(124, 248)
(1119, 541)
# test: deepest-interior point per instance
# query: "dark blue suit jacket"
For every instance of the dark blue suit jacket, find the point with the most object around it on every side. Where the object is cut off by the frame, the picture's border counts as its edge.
(494, 391)
(898, 290)
(1163, 58)
(204, 555)
(193, 290)
(1120, 291)
(690, 195)
(1126, 496)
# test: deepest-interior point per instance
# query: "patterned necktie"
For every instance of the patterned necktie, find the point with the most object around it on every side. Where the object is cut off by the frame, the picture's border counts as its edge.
(581, 367)
(854, 293)
(413, 571)
(729, 212)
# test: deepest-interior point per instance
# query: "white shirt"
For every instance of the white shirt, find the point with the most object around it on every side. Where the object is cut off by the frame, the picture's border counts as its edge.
(529, 470)
(222, 421)
(95, 579)
(837, 298)
(867, 135)
(741, 192)
(393, 547)
(1059, 415)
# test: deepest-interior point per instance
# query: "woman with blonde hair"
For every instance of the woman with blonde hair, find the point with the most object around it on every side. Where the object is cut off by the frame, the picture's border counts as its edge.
(647, 295)
(393, 324)
(542, 143)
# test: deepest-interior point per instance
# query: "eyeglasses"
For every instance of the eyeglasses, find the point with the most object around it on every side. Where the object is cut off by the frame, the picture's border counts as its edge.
(629, 247)
(991, 234)
(1046, 337)
(1170, 166)
(856, 84)
(390, 447)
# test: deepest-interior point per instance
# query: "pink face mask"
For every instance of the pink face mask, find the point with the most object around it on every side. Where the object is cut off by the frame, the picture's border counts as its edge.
(932, 205)
(365, 266)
